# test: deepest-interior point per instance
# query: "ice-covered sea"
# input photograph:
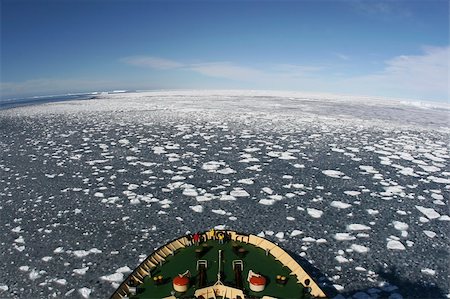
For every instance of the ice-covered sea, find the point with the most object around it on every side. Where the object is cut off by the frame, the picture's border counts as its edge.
(357, 189)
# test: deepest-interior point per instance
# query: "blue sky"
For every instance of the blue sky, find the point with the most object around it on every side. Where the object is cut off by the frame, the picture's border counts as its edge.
(395, 48)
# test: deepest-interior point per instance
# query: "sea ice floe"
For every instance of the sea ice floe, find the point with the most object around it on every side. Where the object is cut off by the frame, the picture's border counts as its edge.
(197, 208)
(20, 240)
(357, 227)
(315, 213)
(368, 169)
(340, 259)
(429, 233)
(267, 190)
(439, 180)
(219, 212)
(428, 271)
(84, 292)
(401, 226)
(61, 281)
(296, 232)
(212, 165)
(246, 181)
(359, 248)
(352, 193)
(115, 277)
(340, 204)
(344, 237)
(333, 173)
(58, 250)
(395, 245)
(17, 229)
(124, 269)
(226, 170)
(239, 192)
(280, 235)
(267, 202)
(34, 274)
(190, 192)
(372, 212)
(429, 212)
(281, 155)
(227, 197)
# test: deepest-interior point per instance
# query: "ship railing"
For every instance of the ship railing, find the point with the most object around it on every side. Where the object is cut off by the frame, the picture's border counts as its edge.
(284, 258)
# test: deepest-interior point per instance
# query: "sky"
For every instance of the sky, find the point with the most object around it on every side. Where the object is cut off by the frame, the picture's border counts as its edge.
(392, 48)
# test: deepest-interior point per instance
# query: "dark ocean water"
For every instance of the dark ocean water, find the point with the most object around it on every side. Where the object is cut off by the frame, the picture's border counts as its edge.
(12, 103)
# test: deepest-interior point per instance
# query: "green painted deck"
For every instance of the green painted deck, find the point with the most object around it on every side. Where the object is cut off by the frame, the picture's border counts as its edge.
(255, 259)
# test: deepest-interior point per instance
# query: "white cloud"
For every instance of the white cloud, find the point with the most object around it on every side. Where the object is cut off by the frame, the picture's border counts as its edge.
(152, 62)
(423, 75)
(227, 70)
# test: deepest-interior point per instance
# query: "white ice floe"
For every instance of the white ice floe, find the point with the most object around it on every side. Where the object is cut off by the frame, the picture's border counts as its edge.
(61, 281)
(368, 169)
(340, 204)
(190, 192)
(246, 181)
(227, 197)
(401, 226)
(439, 180)
(197, 208)
(429, 168)
(315, 213)
(395, 245)
(58, 250)
(372, 212)
(212, 165)
(219, 212)
(267, 202)
(352, 193)
(80, 271)
(296, 232)
(333, 173)
(124, 269)
(344, 237)
(429, 212)
(226, 170)
(85, 292)
(17, 229)
(204, 197)
(428, 271)
(267, 190)
(359, 248)
(4, 288)
(115, 277)
(178, 178)
(238, 192)
(280, 235)
(429, 233)
(340, 259)
(34, 274)
(281, 155)
(437, 196)
(357, 227)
